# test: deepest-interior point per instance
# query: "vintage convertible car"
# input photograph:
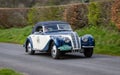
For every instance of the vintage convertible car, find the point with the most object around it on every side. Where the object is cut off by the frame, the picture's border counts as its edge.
(57, 38)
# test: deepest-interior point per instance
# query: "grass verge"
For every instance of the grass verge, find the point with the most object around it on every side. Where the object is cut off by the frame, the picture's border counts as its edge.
(15, 35)
(8, 72)
(107, 39)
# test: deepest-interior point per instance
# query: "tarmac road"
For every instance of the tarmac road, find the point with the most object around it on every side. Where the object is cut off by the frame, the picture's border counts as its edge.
(13, 56)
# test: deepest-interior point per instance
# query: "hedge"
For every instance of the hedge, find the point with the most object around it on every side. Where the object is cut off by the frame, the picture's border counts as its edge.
(17, 17)
(45, 14)
(78, 15)
(116, 13)
(13, 17)
(100, 13)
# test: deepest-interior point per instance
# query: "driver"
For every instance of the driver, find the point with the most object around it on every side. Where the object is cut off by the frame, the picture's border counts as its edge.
(46, 29)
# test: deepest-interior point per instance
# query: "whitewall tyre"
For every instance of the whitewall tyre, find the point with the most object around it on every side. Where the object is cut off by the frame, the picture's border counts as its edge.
(29, 49)
(55, 53)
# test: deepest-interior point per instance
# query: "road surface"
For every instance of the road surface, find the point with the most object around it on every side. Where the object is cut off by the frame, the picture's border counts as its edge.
(13, 56)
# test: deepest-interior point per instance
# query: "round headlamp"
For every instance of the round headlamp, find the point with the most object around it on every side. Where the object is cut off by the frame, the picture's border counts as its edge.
(67, 40)
(84, 39)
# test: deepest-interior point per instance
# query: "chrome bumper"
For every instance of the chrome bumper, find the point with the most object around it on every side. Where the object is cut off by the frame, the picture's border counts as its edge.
(87, 46)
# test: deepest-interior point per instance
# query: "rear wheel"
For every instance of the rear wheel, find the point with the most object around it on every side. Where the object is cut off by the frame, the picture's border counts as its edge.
(29, 49)
(88, 52)
(55, 53)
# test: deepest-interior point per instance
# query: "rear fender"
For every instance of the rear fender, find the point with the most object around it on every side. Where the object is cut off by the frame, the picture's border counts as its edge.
(26, 42)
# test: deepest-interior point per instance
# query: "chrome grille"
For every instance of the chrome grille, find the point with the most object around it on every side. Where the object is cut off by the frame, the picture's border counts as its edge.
(75, 41)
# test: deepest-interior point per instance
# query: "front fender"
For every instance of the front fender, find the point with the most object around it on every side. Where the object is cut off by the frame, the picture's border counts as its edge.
(57, 40)
(26, 42)
(61, 44)
(87, 41)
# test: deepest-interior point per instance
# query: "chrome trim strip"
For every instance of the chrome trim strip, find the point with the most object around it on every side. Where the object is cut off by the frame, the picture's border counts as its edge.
(87, 46)
(76, 49)
(75, 41)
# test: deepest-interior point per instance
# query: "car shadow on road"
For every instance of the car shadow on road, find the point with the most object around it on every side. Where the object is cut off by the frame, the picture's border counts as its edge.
(62, 57)
(73, 56)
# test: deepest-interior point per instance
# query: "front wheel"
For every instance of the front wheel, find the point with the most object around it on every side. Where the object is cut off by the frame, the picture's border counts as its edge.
(29, 49)
(88, 52)
(54, 51)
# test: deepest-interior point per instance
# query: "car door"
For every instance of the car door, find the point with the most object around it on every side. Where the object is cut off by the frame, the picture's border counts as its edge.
(36, 37)
(35, 40)
(40, 40)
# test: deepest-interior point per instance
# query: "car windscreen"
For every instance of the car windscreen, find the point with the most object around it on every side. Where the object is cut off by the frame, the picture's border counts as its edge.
(56, 27)
(64, 27)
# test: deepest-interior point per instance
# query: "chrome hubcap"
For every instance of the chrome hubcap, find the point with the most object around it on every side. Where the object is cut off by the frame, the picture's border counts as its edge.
(54, 50)
(29, 47)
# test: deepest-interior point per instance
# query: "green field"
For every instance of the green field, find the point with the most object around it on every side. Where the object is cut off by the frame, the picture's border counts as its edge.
(107, 39)
(8, 72)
